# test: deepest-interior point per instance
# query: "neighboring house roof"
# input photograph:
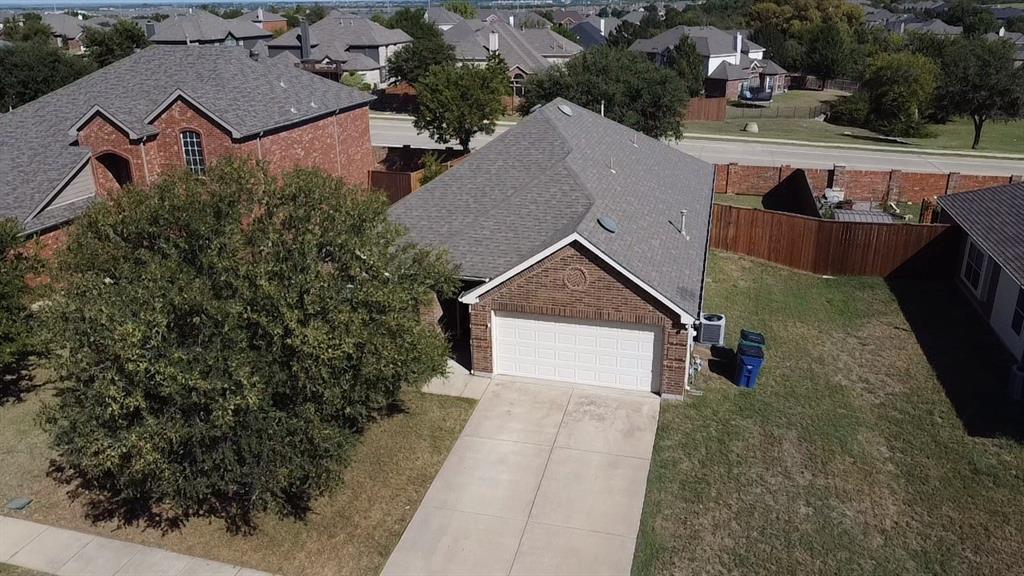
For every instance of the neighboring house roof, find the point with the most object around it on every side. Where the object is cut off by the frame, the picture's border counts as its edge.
(634, 17)
(339, 31)
(520, 18)
(64, 25)
(933, 26)
(248, 97)
(255, 16)
(610, 23)
(770, 68)
(201, 26)
(552, 176)
(1005, 13)
(566, 15)
(525, 48)
(589, 34)
(992, 217)
(440, 16)
(710, 41)
(729, 71)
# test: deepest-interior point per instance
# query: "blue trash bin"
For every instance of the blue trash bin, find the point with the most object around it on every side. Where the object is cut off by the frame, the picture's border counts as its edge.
(748, 365)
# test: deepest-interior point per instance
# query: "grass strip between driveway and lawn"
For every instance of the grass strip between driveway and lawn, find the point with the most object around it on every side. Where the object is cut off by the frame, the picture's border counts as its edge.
(879, 440)
(351, 530)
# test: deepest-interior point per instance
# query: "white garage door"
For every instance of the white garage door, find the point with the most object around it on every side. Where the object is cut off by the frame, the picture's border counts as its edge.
(598, 353)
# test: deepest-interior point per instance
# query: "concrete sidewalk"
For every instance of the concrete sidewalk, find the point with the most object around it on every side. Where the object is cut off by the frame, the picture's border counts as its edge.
(64, 552)
(546, 479)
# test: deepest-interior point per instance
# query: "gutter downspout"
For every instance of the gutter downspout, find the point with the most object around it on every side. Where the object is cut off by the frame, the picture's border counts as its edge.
(259, 146)
(145, 163)
(704, 271)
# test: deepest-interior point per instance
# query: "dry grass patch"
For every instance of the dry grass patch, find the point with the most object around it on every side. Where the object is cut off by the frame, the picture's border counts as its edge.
(351, 531)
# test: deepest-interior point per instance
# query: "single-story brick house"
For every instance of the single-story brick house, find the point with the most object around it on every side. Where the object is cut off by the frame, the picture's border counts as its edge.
(583, 250)
(991, 266)
(171, 107)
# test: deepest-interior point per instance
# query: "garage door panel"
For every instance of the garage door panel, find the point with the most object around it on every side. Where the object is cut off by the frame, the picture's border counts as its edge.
(586, 352)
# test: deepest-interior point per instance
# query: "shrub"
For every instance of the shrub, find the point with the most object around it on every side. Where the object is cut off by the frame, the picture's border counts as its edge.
(899, 90)
(220, 341)
(432, 168)
(16, 331)
(849, 110)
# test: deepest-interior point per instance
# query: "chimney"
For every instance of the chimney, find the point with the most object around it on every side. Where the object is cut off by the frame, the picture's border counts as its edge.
(304, 40)
(80, 16)
(150, 28)
(259, 14)
(1002, 31)
(492, 41)
(739, 47)
(511, 21)
(602, 27)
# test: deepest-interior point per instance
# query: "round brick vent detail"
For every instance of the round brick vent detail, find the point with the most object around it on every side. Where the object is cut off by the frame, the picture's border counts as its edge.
(575, 278)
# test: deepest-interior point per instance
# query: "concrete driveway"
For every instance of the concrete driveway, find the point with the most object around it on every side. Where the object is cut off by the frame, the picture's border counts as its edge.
(545, 479)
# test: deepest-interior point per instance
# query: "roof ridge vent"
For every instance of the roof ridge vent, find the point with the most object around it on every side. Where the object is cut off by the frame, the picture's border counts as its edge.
(282, 84)
(565, 109)
(294, 111)
(611, 164)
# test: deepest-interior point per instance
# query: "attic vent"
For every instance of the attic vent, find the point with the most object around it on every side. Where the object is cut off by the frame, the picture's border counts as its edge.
(564, 109)
(608, 224)
(312, 104)
(282, 84)
(294, 111)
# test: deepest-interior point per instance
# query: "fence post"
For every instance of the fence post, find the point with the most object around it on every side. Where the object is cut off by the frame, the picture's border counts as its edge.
(1016, 178)
(952, 182)
(837, 178)
(892, 190)
(728, 178)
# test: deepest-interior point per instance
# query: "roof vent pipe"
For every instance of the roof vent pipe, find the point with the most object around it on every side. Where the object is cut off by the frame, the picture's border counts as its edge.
(511, 21)
(602, 27)
(304, 40)
(259, 14)
(492, 41)
(739, 47)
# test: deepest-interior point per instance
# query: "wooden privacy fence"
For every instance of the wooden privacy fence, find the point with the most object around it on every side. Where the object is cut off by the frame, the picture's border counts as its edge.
(705, 110)
(830, 247)
(395, 185)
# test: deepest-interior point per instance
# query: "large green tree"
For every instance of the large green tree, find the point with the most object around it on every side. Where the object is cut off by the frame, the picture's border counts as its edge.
(30, 29)
(17, 338)
(412, 62)
(221, 340)
(412, 21)
(979, 81)
(828, 50)
(108, 45)
(31, 70)
(631, 89)
(685, 61)
(456, 102)
(463, 8)
(899, 89)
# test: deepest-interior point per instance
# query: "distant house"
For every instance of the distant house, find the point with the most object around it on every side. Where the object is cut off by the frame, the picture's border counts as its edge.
(515, 18)
(594, 30)
(160, 110)
(634, 17)
(273, 23)
(525, 50)
(68, 29)
(567, 18)
(201, 27)
(582, 246)
(923, 26)
(735, 66)
(991, 266)
(442, 17)
(1003, 14)
(343, 43)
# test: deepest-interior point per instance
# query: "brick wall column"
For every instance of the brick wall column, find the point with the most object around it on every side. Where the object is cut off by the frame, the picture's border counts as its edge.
(892, 191)
(928, 206)
(728, 178)
(838, 177)
(952, 182)
(1016, 178)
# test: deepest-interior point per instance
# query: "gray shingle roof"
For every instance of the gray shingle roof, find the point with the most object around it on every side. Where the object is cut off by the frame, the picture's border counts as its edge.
(589, 34)
(250, 96)
(729, 71)
(64, 25)
(876, 216)
(522, 48)
(201, 26)
(993, 218)
(552, 175)
(254, 17)
(710, 41)
(438, 15)
(340, 29)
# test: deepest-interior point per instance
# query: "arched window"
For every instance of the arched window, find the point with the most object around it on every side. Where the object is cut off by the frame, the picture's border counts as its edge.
(517, 83)
(192, 148)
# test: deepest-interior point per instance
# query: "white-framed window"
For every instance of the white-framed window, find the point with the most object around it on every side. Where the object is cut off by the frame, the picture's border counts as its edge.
(517, 83)
(1017, 320)
(192, 148)
(974, 267)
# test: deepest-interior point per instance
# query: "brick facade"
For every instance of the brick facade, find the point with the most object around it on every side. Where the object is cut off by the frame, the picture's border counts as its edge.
(607, 295)
(337, 143)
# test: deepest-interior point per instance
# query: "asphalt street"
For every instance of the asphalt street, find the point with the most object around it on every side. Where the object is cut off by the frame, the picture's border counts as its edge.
(398, 131)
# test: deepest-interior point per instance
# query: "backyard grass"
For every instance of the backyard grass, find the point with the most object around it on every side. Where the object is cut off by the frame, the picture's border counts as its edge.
(1002, 137)
(11, 570)
(351, 531)
(740, 200)
(879, 440)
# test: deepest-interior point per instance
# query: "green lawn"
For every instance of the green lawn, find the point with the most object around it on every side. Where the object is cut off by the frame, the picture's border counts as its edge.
(351, 531)
(850, 458)
(743, 201)
(1003, 137)
(10, 570)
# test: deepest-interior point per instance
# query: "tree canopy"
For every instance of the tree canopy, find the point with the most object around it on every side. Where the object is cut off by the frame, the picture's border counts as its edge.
(456, 102)
(32, 69)
(17, 339)
(412, 21)
(463, 8)
(108, 45)
(899, 89)
(220, 340)
(688, 64)
(31, 29)
(633, 91)
(413, 61)
(828, 50)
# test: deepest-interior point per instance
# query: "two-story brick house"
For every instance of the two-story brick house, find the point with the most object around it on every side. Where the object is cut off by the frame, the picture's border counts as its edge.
(167, 108)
